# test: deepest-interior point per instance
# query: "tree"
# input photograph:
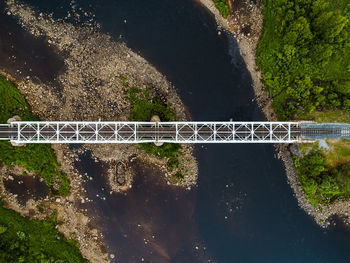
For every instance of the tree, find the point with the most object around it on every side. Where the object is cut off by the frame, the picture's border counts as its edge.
(328, 25)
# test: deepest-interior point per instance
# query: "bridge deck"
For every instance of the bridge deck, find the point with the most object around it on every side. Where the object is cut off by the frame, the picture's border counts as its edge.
(138, 132)
(173, 132)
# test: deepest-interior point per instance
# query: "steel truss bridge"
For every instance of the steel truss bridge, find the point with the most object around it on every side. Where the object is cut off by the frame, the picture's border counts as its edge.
(19, 132)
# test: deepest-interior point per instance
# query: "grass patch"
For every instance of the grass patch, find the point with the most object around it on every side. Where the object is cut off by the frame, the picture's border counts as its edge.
(327, 116)
(305, 148)
(39, 158)
(222, 6)
(24, 240)
(167, 150)
(143, 108)
(12, 103)
(338, 154)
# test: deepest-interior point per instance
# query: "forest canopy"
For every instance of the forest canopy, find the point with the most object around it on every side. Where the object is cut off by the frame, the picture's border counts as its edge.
(304, 54)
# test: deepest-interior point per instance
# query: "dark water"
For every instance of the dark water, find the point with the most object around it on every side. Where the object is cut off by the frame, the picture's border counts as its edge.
(243, 210)
(23, 55)
(151, 220)
(26, 187)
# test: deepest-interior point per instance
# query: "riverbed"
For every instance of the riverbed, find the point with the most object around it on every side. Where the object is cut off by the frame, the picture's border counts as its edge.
(243, 210)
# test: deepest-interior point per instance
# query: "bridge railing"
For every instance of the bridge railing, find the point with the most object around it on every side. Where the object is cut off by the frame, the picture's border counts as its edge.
(140, 132)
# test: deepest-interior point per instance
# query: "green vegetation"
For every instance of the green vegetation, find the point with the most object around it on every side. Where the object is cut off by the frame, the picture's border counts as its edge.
(320, 182)
(176, 177)
(304, 53)
(21, 239)
(39, 158)
(24, 240)
(327, 116)
(338, 154)
(12, 103)
(222, 6)
(168, 150)
(143, 108)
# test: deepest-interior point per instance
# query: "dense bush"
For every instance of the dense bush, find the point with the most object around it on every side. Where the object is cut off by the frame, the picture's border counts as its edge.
(24, 240)
(39, 158)
(304, 53)
(320, 183)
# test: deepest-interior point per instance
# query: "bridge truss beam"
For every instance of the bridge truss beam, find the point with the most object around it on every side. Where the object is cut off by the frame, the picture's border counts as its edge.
(140, 132)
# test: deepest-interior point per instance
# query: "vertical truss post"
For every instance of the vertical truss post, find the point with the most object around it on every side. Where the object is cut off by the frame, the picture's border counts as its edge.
(177, 133)
(18, 131)
(270, 131)
(37, 131)
(288, 131)
(233, 131)
(252, 131)
(135, 127)
(96, 132)
(57, 132)
(214, 132)
(195, 132)
(77, 132)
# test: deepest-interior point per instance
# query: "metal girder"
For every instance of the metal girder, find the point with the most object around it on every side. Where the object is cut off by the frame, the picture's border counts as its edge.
(139, 132)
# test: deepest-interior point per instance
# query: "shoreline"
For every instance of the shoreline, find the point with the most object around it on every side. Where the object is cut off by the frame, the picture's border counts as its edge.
(90, 87)
(248, 43)
(90, 79)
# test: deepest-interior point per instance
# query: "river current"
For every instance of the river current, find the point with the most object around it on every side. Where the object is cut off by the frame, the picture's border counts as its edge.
(243, 210)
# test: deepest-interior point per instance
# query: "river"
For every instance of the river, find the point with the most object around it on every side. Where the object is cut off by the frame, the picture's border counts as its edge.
(243, 210)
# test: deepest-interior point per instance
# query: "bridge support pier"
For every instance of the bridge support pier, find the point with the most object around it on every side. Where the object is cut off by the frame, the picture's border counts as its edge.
(12, 119)
(156, 119)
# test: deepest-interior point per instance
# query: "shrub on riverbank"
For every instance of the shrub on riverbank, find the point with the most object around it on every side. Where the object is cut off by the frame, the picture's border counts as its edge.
(322, 183)
(222, 6)
(39, 158)
(304, 53)
(24, 240)
(143, 108)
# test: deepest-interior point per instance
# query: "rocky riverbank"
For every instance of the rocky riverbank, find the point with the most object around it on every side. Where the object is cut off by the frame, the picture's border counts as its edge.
(73, 223)
(90, 87)
(245, 24)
